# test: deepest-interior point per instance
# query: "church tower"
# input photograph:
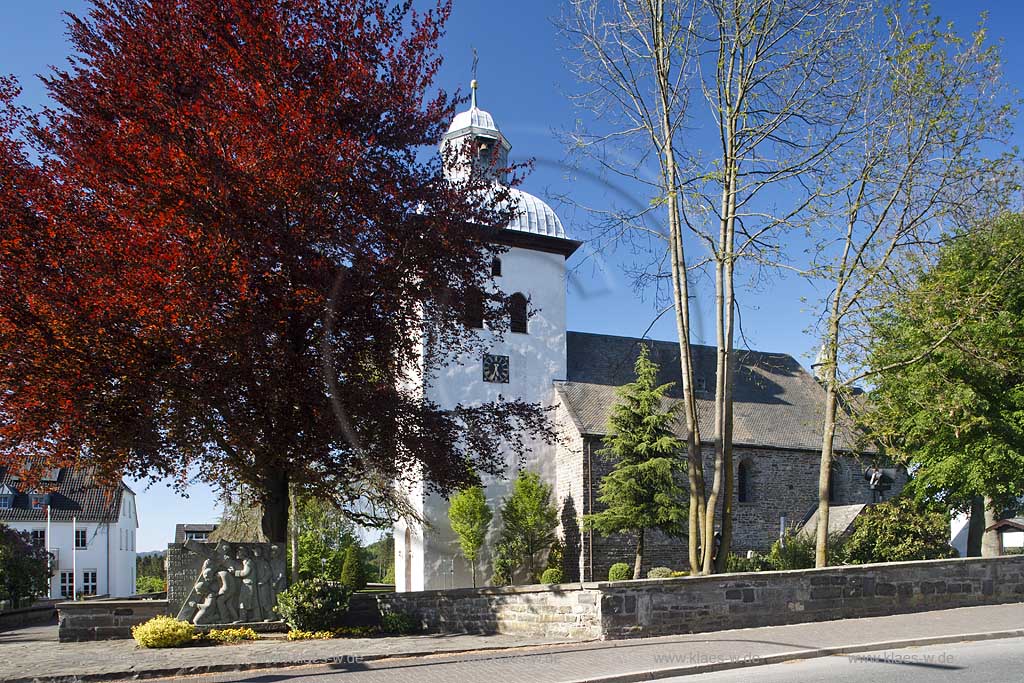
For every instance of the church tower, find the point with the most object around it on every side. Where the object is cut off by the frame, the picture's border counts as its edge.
(523, 365)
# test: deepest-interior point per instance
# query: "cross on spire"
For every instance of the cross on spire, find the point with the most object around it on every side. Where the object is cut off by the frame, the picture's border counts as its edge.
(472, 83)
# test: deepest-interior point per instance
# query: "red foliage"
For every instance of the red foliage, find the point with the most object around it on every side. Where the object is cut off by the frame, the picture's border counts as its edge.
(230, 249)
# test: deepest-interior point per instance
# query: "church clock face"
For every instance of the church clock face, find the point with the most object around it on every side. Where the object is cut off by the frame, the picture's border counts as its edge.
(495, 368)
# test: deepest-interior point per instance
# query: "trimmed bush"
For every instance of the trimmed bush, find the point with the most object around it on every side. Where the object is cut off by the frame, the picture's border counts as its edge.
(620, 571)
(551, 575)
(163, 631)
(314, 604)
(735, 564)
(150, 584)
(230, 635)
(399, 622)
(660, 573)
(352, 574)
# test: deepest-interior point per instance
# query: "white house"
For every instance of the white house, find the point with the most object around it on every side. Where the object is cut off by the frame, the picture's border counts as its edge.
(89, 529)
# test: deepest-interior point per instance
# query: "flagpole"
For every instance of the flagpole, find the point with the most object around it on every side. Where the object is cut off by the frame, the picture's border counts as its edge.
(74, 558)
(49, 547)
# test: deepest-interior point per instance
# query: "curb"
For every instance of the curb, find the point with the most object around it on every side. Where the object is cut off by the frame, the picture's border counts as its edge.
(514, 651)
(814, 653)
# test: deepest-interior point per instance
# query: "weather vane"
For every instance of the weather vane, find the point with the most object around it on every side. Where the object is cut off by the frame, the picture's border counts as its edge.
(472, 83)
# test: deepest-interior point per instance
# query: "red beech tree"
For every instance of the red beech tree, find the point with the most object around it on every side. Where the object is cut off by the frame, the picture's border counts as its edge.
(228, 249)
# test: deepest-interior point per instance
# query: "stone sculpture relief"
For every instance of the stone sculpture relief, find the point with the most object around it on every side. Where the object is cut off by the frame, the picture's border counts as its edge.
(236, 583)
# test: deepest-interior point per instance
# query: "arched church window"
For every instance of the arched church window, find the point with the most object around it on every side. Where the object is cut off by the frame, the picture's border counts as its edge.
(519, 313)
(496, 267)
(744, 482)
(474, 309)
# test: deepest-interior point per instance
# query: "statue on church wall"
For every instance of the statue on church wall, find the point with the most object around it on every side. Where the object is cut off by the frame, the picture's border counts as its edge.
(233, 582)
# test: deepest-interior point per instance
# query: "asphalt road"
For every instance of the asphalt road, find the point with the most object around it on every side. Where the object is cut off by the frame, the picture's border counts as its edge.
(989, 661)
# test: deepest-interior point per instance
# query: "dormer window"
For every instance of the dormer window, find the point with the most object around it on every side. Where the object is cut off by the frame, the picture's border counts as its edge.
(6, 501)
(37, 501)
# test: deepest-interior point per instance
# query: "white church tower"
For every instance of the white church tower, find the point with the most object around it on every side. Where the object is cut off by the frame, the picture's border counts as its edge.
(522, 365)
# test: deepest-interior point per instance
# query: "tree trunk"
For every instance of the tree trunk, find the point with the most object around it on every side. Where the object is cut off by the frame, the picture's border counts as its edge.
(976, 526)
(639, 561)
(294, 527)
(680, 284)
(473, 566)
(990, 539)
(824, 469)
(274, 522)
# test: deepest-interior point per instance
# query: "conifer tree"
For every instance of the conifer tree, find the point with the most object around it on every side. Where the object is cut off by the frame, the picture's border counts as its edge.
(642, 492)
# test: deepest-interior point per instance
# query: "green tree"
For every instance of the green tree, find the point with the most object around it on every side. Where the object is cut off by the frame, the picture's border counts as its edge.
(948, 399)
(470, 516)
(530, 521)
(899, 530)
(325, 537)
(381, 555)
(353, 572)
(24, 568)
(642, 491)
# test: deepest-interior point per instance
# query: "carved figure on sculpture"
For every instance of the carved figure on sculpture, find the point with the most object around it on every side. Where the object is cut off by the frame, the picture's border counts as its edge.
(234, 583)
(264, 579)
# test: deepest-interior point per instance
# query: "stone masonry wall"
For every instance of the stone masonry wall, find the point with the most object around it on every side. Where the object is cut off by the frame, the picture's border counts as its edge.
(783, 482)
(625, 609)
(566, 610)
(700, 604)
(181, 575)
(104, 619)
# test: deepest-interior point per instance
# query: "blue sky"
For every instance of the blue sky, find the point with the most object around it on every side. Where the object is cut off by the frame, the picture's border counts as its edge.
(523, 83)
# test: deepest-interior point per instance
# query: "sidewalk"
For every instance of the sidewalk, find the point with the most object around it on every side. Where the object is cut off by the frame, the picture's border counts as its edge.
(495, 658)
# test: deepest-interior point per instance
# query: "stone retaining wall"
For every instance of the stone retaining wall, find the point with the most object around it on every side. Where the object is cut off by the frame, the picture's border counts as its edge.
(105, 619)
(625, 609)
(694, 605)
(565, 611)
(40, 613)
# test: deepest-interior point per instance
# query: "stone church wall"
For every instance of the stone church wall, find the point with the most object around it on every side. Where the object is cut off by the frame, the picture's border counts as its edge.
(782, 483)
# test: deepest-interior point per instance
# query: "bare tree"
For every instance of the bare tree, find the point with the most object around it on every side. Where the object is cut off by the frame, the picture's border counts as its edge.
(778, 104)
(932, 107)
(632, 62)
(773, 75)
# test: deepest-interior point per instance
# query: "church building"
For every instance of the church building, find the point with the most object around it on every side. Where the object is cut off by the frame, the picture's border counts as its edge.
(778, 415)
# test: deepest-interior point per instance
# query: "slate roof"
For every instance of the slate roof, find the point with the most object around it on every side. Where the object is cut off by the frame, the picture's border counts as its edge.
(777, 404)
(840, 519)
(181, 529)
(76, 493)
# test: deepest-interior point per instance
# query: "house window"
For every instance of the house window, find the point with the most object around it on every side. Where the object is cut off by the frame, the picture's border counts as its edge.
(196, 536)
(37, 501)
(832, 484)
(744, 482)
(496, 267)
(700, 384)
(519, 313)
(81, 536)
(6, 502)
(67, 580)
(89, 582)
(39, 538)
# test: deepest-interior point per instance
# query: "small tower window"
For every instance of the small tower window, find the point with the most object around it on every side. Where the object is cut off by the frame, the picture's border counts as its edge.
(744, 482)
(474, 310)
(496, 267)
(519, 313)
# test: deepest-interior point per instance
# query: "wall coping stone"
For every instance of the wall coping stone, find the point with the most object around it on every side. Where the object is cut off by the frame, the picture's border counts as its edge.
(108, 604)
(846, 568)
(500, 590)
